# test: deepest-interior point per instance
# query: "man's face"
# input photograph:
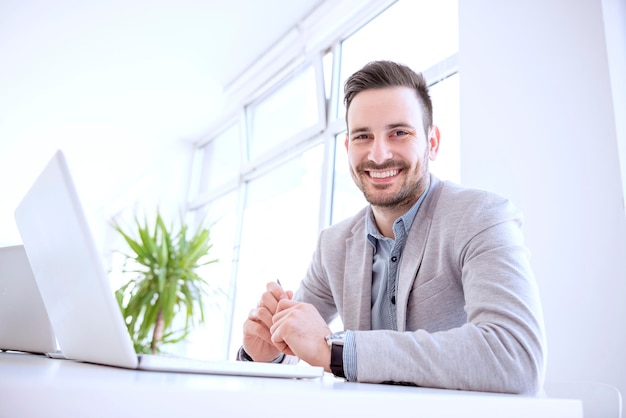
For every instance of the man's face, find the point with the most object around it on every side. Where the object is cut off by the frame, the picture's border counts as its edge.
(387, 147)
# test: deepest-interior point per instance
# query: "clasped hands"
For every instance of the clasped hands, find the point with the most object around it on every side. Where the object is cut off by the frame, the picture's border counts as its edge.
(281, 325)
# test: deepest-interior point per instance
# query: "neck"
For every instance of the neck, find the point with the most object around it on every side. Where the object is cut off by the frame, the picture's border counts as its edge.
(386, 216)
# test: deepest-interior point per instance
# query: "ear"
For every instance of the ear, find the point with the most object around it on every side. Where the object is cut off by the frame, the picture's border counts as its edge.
(433, 142)
(346, 142)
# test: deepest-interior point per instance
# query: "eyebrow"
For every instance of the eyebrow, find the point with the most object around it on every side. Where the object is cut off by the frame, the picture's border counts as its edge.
(389, 126)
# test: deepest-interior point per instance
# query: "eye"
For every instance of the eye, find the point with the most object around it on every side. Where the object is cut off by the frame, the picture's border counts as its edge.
(360, 137)
(402, 133)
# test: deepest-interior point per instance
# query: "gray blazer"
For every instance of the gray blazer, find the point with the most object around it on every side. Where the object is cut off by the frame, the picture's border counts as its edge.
(469, 314)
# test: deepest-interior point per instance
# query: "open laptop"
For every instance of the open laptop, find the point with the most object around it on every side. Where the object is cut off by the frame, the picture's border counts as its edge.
(75, 289)
(24, 323)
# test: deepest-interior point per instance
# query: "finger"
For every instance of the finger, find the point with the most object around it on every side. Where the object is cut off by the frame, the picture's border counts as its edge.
(281, 320)
(269, 302)
(277, 291)
(270, 299)
(279, 342)
(283, 305)
(288, 351)
(284, 348)
(257, 329)
(262, 315)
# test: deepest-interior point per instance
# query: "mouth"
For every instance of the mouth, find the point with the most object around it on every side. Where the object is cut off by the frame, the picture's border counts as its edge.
(382, 174)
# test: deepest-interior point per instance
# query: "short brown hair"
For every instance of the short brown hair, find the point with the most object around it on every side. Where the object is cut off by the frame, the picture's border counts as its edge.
(382, 74)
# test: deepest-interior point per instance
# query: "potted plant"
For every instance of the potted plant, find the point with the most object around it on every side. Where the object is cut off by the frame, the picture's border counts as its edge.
(164, 282)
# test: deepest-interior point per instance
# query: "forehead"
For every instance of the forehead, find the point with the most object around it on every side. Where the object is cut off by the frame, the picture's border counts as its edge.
(387, 106)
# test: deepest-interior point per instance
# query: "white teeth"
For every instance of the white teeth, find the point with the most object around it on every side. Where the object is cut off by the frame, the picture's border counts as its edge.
(383, 174)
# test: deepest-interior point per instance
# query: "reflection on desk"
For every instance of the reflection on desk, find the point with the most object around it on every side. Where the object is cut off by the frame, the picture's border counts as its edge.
(36, 386)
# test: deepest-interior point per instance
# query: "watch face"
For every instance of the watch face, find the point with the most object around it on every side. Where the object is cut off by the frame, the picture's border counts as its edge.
(338, 337)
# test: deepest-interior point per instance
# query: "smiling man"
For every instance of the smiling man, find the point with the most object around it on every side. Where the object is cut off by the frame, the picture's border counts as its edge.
(431, 280)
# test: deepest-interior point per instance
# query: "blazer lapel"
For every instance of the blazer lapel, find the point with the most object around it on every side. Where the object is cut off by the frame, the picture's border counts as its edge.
(414, 250)
(357, 284)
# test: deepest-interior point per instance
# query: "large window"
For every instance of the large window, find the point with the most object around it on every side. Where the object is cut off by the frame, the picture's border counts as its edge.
(418, 33)
(288, 111)
(279, 228)
(211, 341)
(278, 172)
(220, 160)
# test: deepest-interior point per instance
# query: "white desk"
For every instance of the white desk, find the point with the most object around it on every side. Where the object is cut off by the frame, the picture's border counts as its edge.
(36, 386)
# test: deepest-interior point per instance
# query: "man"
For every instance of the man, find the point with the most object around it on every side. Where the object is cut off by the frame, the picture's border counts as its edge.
(432, 281)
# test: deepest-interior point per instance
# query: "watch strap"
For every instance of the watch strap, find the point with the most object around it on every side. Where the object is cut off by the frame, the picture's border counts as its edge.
(336, 360)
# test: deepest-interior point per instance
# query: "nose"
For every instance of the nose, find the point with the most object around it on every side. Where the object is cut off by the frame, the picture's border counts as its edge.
(379, 150)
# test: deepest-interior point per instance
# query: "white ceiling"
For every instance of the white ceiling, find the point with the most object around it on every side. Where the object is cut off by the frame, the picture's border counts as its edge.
(121, 86)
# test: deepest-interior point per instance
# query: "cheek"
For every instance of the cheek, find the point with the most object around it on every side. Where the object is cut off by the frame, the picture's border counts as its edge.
(353, 157)
(416, 160)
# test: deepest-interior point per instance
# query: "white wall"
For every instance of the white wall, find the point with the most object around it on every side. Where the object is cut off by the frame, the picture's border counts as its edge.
(538, 125)
(120, 87)
(615, 30)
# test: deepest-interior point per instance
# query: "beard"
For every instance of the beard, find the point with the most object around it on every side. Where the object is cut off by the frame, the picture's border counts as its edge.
(378, 195)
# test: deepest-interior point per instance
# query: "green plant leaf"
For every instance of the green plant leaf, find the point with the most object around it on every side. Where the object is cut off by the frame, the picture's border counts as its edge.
(169, 286)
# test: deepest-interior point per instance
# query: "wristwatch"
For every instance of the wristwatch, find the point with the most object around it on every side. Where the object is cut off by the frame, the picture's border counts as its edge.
(335, 343)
